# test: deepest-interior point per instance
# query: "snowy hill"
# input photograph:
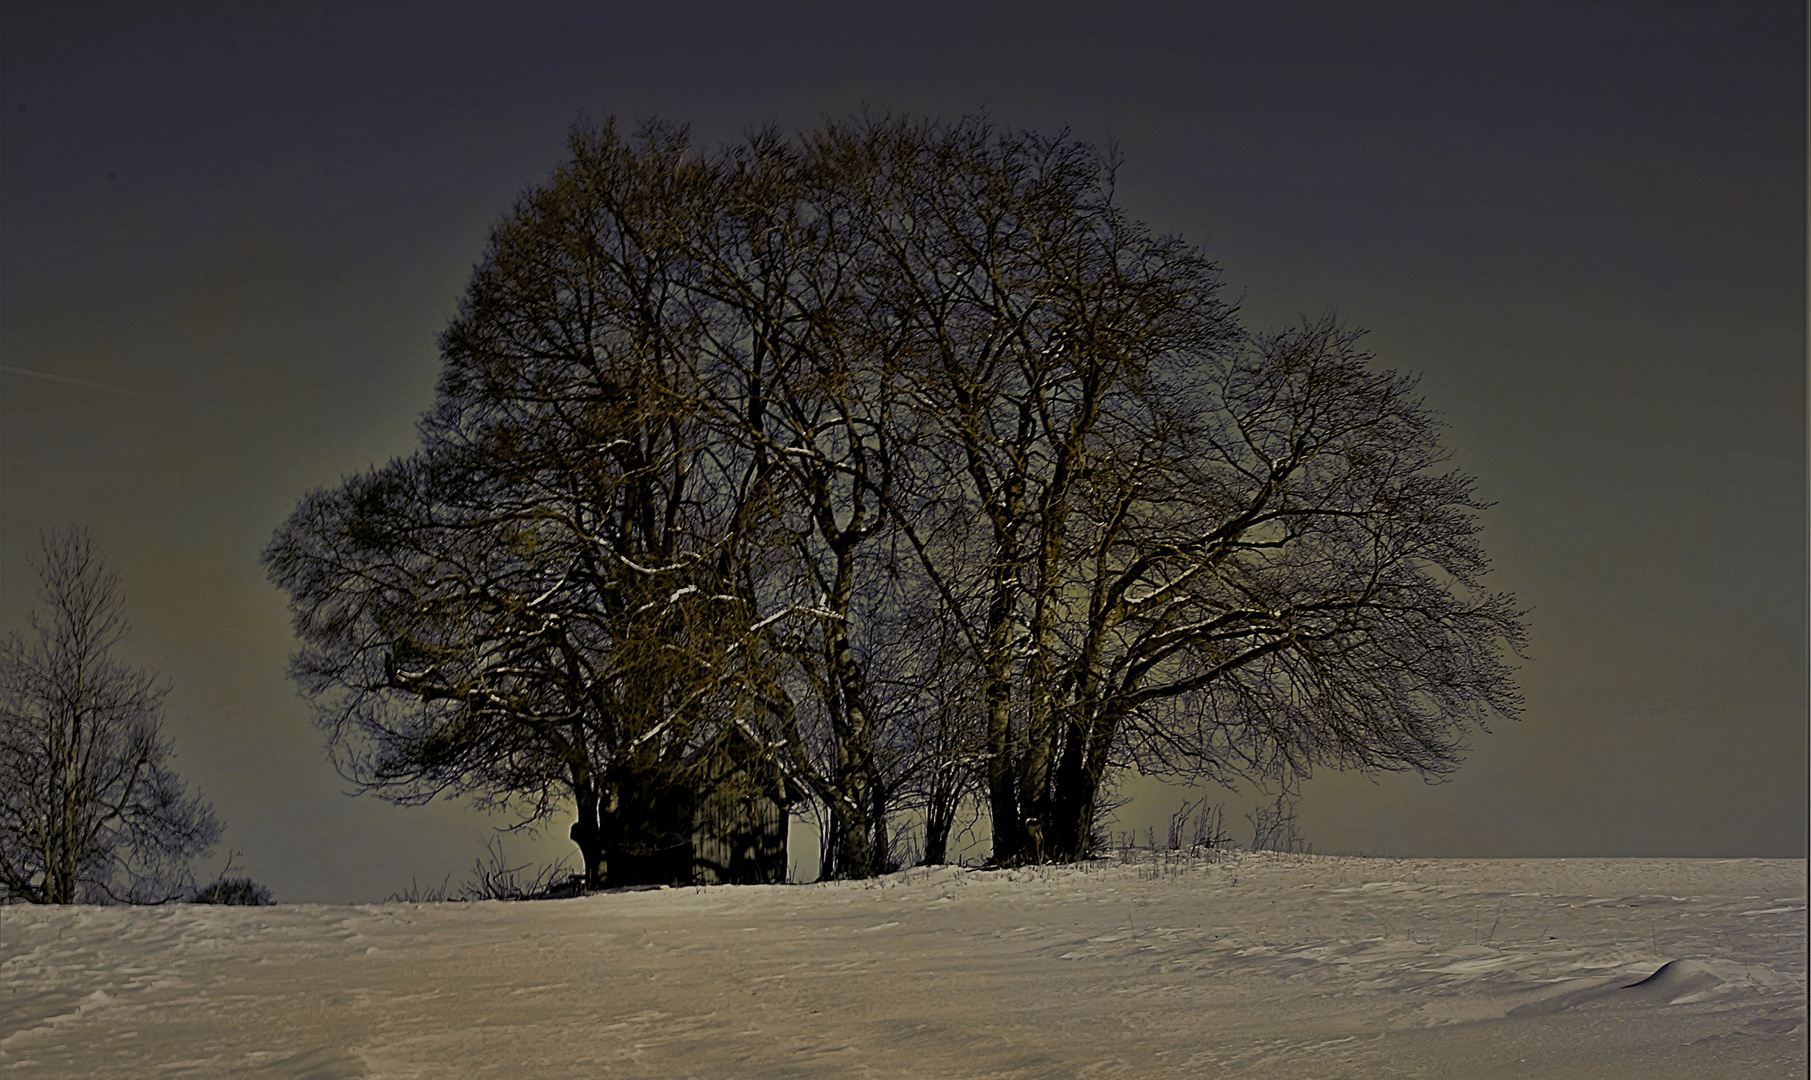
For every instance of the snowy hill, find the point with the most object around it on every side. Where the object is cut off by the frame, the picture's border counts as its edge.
(1144, 965)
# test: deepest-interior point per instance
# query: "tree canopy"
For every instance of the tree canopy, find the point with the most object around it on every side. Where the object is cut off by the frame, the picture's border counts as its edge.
(890, 464)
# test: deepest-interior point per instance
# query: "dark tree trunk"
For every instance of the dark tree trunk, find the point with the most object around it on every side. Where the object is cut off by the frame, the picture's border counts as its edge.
(588, 833)
(1002, 790)
(1072, 808)
(858, 847)
(851, 854)
(1002, 766)
(650, 829)
(1034, 770)
(881, 855)
(936, 841)
(59, 883)
(860, 812)
(940, 817)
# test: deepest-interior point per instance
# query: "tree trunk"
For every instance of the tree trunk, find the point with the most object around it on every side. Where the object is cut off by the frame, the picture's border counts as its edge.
(1034, 762)
(860, 810)
(588, 833)
(936, 840)
(851, 856)
(1002, 790)
(59, 884)
(881, 857)
(1072, 807)
(853, 851)
(858, 845)
(1087, 751)
(940, 817)
(1002, 766)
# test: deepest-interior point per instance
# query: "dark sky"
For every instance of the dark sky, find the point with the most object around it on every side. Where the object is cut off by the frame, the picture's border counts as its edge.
(231, 233)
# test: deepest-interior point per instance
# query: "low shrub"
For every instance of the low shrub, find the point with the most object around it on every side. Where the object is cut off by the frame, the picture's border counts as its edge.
(238, 892)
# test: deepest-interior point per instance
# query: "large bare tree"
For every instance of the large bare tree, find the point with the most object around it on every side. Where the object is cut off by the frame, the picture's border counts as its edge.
(538, 607)
(90, 809)
(1168, 543)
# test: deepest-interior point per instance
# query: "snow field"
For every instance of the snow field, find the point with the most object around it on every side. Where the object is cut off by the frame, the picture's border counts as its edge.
(1143, 965)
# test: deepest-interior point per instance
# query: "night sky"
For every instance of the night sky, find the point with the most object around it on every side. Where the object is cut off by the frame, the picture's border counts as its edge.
(230, 233)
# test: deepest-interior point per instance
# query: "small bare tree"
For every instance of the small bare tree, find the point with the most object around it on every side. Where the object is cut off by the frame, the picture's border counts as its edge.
(90, 810)
(1273, 826)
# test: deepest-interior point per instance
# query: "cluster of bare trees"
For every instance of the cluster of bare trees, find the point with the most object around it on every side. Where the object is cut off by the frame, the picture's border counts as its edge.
(890, 466)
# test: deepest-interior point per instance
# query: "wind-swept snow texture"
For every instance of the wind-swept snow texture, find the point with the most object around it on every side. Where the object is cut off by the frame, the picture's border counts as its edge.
(1146, 965)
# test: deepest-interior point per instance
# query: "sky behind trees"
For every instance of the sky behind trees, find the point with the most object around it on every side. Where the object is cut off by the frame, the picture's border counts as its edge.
(231, 237)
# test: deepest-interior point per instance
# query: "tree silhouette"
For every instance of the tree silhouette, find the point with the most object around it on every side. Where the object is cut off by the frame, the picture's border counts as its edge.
(90, 810)
(886, 464)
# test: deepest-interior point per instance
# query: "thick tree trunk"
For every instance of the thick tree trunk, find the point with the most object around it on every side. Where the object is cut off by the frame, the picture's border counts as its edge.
(851, 853)
(1087, 751)
(860, 810)
(1002, 763)
(1074, 825)
(588, 833)
(936, 841)
(1039, 748)
(1072, 808)
(1002, 788)
(880, 844)
(1039, 760)
(59, 884)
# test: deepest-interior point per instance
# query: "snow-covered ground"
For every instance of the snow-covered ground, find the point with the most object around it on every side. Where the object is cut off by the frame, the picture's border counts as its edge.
(1146, 965)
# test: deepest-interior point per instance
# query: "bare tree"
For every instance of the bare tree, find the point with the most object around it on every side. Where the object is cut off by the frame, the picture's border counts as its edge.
(801, 365)
(1288, 577)
(1273, 826)
(647, 523)
(90, 809)
(1167, 543)
(541, 606)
